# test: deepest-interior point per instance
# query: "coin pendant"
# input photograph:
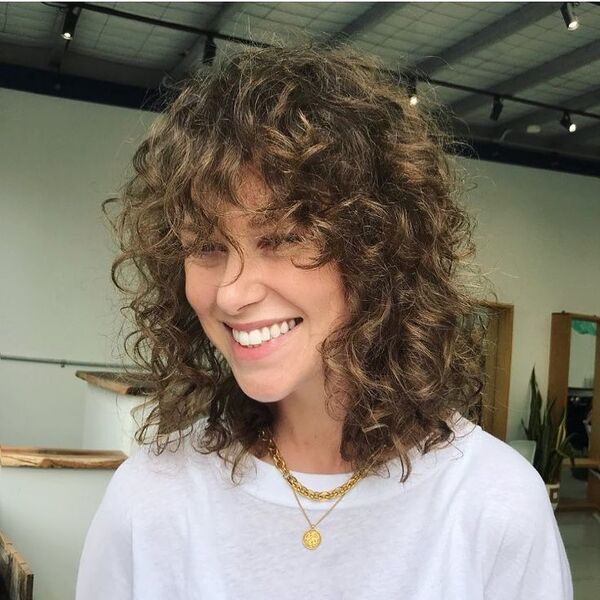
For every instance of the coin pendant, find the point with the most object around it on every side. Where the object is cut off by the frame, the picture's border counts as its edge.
(311, 539)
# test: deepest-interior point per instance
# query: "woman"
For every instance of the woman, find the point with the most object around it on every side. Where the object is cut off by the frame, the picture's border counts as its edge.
(294, 225)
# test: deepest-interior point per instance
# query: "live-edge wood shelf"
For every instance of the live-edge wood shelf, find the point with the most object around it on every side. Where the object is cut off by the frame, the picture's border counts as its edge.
(59, 458)
(121, 383)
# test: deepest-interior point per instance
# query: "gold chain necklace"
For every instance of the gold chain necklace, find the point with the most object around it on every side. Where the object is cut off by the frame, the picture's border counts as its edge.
(304, 491)
(311, 538)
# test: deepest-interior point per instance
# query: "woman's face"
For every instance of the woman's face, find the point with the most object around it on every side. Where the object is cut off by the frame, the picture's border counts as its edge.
(269, 291)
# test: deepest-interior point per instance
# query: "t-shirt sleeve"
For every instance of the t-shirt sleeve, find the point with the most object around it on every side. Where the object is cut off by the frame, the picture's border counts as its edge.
(531, 562)
(106, 565)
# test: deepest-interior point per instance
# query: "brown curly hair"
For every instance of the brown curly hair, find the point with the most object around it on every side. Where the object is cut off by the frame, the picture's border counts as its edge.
(365, 175)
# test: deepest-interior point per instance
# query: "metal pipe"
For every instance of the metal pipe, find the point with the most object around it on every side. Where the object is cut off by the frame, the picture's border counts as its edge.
(64, 362)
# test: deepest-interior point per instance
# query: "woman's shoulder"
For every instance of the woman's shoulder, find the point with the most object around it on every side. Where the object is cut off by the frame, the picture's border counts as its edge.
(153, 465)
(167, 460)
(486, 466)
(498, 462)
(500, 477)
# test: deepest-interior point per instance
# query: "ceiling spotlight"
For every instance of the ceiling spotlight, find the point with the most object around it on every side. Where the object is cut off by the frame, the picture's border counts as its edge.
(497, 107)
(411, 88)
(70, 22)
(210, 50)
(569, 16)
(567, 123)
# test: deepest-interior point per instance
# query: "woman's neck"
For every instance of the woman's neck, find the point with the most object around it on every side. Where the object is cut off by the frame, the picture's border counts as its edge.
(313, 459)
(308, 438)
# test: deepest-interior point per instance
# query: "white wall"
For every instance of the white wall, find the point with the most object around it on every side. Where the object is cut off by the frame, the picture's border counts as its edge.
(538, 238)
(46, 514)
(59, 159)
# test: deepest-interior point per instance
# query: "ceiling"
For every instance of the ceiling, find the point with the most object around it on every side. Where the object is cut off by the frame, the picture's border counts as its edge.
(462, 52)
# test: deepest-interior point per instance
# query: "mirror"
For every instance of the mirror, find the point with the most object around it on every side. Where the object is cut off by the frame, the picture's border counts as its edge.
(579, 402)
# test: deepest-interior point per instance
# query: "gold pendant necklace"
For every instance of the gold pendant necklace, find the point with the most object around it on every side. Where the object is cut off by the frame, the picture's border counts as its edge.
(312, 537)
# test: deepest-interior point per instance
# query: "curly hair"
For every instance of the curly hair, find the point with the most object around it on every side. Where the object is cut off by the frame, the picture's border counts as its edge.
(366, 176)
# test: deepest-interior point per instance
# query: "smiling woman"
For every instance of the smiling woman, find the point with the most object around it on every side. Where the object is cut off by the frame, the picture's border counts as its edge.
(304, 303)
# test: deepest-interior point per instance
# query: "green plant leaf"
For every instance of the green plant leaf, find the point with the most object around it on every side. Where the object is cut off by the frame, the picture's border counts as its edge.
(552, 443)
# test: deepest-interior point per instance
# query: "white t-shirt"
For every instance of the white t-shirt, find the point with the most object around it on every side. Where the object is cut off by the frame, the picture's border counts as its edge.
(472, 522)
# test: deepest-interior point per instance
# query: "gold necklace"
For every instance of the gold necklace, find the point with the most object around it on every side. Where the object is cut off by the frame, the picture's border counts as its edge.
(312, 537)
(304, 491)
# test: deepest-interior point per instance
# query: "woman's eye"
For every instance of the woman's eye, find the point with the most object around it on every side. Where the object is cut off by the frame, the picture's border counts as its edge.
(208, 249)
(276, 241)
(292, 239)
(211, 250)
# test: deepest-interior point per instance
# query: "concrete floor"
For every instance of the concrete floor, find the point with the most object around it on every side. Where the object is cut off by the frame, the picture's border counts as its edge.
(580, 532)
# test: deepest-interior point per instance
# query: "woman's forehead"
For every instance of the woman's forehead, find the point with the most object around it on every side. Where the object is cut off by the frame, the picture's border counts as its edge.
(252, 190)
(252, 202)
(249, 207)
(236, 222)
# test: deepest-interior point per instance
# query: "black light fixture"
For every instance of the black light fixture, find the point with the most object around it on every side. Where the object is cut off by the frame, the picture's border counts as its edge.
(70, 22)
(411, 88)
(567, 123)
(210, 50)
(569, 16)
(497, 107)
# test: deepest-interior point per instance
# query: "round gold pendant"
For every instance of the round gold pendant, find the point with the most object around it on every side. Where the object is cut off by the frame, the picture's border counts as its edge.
(311, 539)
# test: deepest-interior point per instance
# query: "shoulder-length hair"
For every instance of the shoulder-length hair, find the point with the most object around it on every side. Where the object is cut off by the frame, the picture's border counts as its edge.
(350, 162)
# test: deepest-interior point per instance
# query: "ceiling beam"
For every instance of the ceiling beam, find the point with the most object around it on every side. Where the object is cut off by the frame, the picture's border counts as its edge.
(195, 54)
(92, 90)
(553, 68)
(377, 13)
(527, 15)
(526, 150)
(36, 57)
(190, 60)
(64, 85)
(545, 115)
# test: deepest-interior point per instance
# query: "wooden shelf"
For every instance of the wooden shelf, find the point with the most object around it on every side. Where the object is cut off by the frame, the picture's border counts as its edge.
(575, 504)
(59, 458)
(583, 463)
(121, 383)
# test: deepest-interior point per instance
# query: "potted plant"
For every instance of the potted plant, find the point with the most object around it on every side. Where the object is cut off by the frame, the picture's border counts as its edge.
(552, 443)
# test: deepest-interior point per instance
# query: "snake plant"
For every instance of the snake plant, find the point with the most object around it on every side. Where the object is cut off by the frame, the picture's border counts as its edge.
(553, 444)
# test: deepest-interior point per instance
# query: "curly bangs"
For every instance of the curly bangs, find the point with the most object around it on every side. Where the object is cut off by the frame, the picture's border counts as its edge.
(365, 174)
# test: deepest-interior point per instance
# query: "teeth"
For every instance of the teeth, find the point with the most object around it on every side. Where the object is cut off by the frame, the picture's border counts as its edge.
(254, 337)
(257, 336)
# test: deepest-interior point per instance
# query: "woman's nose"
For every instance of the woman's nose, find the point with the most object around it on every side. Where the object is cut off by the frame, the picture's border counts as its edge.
(241, 284)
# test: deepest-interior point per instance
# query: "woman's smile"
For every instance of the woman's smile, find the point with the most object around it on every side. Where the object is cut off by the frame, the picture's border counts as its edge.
(271, 340)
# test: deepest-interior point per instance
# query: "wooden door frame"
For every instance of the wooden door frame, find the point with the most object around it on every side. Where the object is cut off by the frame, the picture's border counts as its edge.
(495, 417)
(558, 390)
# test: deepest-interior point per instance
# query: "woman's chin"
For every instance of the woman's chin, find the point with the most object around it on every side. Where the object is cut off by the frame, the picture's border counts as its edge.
(260, 392)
